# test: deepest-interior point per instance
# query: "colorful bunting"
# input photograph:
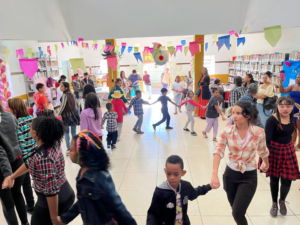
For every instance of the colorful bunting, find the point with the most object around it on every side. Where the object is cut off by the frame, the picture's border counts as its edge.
(200, 39)
(76, 43)
(224, 40)
(95, 47)
(49, 50)
(206, 46)
(62, 45)
(244, 29)
(146, 49)
(172, 50)
(138, 57)
(123, 49)
(215, 37)
(183, 42)
(94, 43)
(231, 32)
(112, 62)
(106, 47)
(273, 35)
(194, 47)
(111, 48)
(123, 44)
(56, 47)
(80, 40)
(7, 53)
(20, 53)
(214, 43)
(137, 45)
(136, 49)
(68, 43)
(29, 53)
(179, 48)
(240, 32)
(29, 67)
(117, 49)
(169, 43)
(241, 40)
(186, 50)
(41, 52)
(151, 50)
(129, 49)
(237, 35)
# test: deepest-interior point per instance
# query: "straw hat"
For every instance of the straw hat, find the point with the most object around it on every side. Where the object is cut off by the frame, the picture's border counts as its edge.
(117, 94)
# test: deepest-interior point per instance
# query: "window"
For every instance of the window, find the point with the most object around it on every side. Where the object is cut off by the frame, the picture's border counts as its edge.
(209, 63)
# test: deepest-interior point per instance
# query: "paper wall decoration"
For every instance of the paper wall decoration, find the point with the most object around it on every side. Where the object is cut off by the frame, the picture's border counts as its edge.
(200, 39)
(273, 35)
(94, 43)
(129, 49)
(157, 46)
(123, 44)
(237, 35)
(151, 50)
(106, 47)
(41, 52)
(215, 37)
(76, 43)
(56, 47)
(7, 53)
(146, 49)
(95, 47)
(117, 49)
(194, 47)
(29, 53)
(241, 40)
(172, 50)
(29, 67)
(123, 49)
(20, 53)
(87, 45)
(136, 49)
(80, 40)
(240, 32)
(163, 48)
(77, 63)
(224, 40)
(112, 62)
(244, 29)
(49, 50)
(179, 48)
(214, 42)
(138, 57)
(217, 43)
(169, 43)
(62, 45)
(68, 43)
(183, 42)
(161, 57)
(231, 32)
(186, 50)
(206, 46)
(111, 48)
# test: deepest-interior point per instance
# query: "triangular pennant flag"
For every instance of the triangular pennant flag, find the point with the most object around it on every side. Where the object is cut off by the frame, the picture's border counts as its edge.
(137, 45)
(183, 42)
(95, 42)
(169, 43)
(123, 49)
(49, 50)
(21, 53)
(29, 67)
(117, 49)
(87, 45)
(136, 49)
(111, 48)
(186, 50)
(151, 50)
(106, 47)
(273, 35)
(95, 47)
(172, 50)
(146, 49)
(200, 39)
(194, 47)
(76, 43)
(7, 53)
(112, 62)
(123, 44)
(237, 35)
(240, 32)
(56, 47)
(82, 44)
(231, 32)
(214, 42)
(41, 52)
(215, 37)
(29, 53)
(80, 40)
(244, 29)
(179, 48)
(129, 49)
(138, 56)
(224, 40)
(241, 40)
(68, 43)
(217, 43)
(62, 45)
(163, 48)
(206, 46)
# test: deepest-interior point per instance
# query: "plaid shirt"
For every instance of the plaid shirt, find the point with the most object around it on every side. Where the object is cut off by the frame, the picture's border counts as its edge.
(242, 157)
(26, 142)
(137, 104)
(47, 168)
(111, 118)
(235, 94)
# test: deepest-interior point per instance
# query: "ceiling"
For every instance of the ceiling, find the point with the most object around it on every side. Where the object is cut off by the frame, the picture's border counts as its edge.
(61, 20)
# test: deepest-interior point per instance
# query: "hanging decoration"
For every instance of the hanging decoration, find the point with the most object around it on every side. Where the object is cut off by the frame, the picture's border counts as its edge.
(7, 53)
(172, 50)
(68, 43)
(106, 48)
(29, 67)
(137, 45)
(183, 42)
(186, 50)
(76, 43)
(138, 56)
(49, 50)
(206, 46)
(124, 44)
(87, 45)
(29, 53)
(80, 40)
(129, 49)
(95, 47)
(179, 48)
(157, 46)
(161, 58)
(194, 47)
(146, 49)
(94, 43)
(20, 53)
(163, 48)
(169, 43)
(56, 48)
(151, 50)
(112, 62)
(62, 45)
(117, 49)
(41, 52)
(78, 63)
(237, 35)
(200, 39)
(111, 48)
(217, 43)
(245, 29)
(224, 40)
(241, 40)
(273, 35)
(136, 49)
(231, 32)
(123, 49)
(215, 37)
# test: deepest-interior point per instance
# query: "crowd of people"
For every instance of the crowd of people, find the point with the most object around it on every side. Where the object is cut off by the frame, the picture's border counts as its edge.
(30, 148)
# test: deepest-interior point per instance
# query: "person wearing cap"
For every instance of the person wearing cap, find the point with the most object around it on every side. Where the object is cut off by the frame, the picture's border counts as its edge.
(86, 80)
(118, 87)
(119, 106)
(134, 79)
(76, 83)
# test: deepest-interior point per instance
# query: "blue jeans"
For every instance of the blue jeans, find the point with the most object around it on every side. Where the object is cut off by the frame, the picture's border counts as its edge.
(164, 85)
(177, 100)
(263, 115)
(67, 136)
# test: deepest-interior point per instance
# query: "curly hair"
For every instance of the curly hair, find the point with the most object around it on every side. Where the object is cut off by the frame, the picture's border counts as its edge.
(248, 109)
(49, 130)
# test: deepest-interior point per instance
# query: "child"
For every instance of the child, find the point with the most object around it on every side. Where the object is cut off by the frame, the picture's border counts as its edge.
(111, 125)
(190, 108)
(93, 181)
(212, 113)
(168, 208)
(137, 103)
(118, 87)
(164, 109)
(30, 110)
(90, 118)
(119, 106)
(177, 88)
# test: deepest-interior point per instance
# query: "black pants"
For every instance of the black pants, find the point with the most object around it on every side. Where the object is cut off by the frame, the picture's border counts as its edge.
(27, 190)
(284, 189)
(240, 189)
(41, 214)
(166, 116)
(112, 138)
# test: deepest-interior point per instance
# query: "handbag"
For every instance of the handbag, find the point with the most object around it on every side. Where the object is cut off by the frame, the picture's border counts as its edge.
(270, 102)
(198, 92)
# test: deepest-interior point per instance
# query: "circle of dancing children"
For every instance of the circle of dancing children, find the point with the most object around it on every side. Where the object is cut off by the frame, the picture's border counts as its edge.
(283, 160)
(212, 113)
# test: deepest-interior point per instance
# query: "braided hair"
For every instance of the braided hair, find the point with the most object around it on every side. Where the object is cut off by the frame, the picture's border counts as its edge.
(49, 130)
(288, 101)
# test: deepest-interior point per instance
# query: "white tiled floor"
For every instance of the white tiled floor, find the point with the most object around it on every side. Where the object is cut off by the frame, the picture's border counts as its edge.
(137, 167)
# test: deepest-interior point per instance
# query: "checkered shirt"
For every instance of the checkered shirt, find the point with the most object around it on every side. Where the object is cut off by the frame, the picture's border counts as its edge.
(111, 118)
(47, 168)
(235, 94)
(137, 104)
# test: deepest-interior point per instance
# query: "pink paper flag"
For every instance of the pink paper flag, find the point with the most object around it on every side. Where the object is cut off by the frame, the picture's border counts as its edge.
(29, 66)
(112, 62)
(80, 39)
(48, 50)
(106, 47)
(21, 53)
(95, 46)
(62, 45)
(87, 45)
(82, 44)
(237, 35)
(200, 39)
(123, 44)
(146, 49)
(111, 48)
(217, 43)
(17, 53)
(179, 47)
(151, 50)
(231, 32)
(153, 43)
(194, 47)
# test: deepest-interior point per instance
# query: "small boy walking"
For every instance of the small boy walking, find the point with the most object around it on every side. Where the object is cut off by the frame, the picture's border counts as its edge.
(137, 103)
(164, 109)
(111, 125)
(170, 199)
(118, 105)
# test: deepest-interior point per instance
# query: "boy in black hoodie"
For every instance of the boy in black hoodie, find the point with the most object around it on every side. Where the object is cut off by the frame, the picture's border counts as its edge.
(170, 200)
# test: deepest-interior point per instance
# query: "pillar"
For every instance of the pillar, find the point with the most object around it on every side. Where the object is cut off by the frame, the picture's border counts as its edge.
(198, 65)
(112, 75)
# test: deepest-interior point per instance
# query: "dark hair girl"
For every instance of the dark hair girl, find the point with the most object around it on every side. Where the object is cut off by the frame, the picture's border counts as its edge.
(248, 80)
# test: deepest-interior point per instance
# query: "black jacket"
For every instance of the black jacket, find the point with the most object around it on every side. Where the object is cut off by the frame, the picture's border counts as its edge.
(205, 87)
(163, 206)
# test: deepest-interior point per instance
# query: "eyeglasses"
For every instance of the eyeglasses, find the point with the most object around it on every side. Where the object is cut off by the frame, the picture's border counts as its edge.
(287, 106)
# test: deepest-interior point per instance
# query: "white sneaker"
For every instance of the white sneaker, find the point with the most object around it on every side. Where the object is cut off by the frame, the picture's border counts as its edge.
(119, 139)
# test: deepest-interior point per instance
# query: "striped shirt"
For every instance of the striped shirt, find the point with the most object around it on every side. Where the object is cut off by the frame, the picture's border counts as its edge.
(242, 157)
(26, 142)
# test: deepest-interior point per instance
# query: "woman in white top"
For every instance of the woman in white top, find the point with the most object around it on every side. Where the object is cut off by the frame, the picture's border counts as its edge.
(177, 88)
(59, 92)
(265, 90)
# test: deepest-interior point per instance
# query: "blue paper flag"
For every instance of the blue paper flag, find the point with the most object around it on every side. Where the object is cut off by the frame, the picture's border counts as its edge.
(123, 49)
(206, 46)
(41, 52)
(224, 40)
(108, 43)
(138, 56)
(241, 32)
(74, 42)
(129, 49)
(183, 42)
(241, 40)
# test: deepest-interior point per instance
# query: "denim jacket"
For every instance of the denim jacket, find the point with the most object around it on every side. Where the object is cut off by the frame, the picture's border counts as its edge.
(98, 201)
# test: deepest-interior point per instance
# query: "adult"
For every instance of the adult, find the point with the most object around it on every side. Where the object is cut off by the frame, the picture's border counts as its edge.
(117, 87)
(217, 84)
(59, 92)
(124, 82)
(283, 160)
(62, 78)
(243, 140)
(264, 91)
(203, 85)
(294, 91)
(147, 82)
(76, 83)
(86, 90)
(166, 79)
(68, 112)
(86, 80)
(248, 80)
(40, 99)
(237, 91)
(177, 88)
(10, 161)
(134, 79)
(188, 80)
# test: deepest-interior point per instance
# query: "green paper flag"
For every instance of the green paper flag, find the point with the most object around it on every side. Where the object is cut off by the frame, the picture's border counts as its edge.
(244, 29)
(136, 49)
(163, 48)
(7, 53)
(172, 50)
(215, 37)
(186, 50)
(77, 63)
(103, 47)
(56, 47)
(67, 43)
(117, 49)
(169, 43)
(29, 53)
(84, 45)
(273, 35)
(214, 42)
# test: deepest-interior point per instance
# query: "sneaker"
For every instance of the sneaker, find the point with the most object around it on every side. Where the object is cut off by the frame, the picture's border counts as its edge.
(169, 128)
(135, 130)
(154, 126)
(274, 209)
(119, 139)
(108, 146)
(140, 132)
(29, 209)
(194, 133)
(113, 146)
(186, 129)
(215, 139)
(282, 206)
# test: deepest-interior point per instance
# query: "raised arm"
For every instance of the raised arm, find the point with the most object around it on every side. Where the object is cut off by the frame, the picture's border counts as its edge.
(285, 90)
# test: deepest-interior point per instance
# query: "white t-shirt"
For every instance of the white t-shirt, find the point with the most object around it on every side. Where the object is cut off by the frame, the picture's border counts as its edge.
(59, 94)
(178, 87)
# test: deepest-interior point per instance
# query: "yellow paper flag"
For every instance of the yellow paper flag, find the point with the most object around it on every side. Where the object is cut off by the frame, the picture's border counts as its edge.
(7, 53)
(94, 42)
(77, 63)
(103, 47)
(215, 37)
(169, 43)
(136, 49)
(163, 48)
(29, 53)
(244, 29)
(56, 47)
(186, 50)
(117, 49)
(68, 43)
(172, 50)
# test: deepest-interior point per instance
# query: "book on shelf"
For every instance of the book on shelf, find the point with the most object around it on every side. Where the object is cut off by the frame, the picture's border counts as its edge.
(294, 56)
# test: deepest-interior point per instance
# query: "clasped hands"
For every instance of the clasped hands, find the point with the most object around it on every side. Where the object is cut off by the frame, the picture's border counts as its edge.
(8, 183)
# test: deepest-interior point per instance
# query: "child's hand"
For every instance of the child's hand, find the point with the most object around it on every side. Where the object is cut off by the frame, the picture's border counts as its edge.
(102, 127)
(58, 221)
(223, 118)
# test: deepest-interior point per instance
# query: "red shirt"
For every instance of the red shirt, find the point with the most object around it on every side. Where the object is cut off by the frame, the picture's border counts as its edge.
(40, 100)
(118, 108)
(30, 111)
